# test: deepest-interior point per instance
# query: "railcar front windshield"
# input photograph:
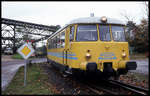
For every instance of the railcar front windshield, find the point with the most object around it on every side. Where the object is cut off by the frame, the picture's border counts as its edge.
(118, 33)
(104, 33)
(86, 33)
(89, 32)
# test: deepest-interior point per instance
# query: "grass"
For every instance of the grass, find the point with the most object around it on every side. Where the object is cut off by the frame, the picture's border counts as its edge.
(37, 82)
(17, 56)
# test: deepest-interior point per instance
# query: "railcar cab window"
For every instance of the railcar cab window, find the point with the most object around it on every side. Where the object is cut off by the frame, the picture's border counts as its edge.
(86, 33)
(71, 33)
(118, 33)
(104, 33)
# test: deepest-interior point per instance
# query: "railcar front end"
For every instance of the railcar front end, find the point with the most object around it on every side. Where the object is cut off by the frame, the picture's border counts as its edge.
(94, 46)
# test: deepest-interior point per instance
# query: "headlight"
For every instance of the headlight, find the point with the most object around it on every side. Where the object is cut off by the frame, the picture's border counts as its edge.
(103, 19)
(123, 54)
(88, 55)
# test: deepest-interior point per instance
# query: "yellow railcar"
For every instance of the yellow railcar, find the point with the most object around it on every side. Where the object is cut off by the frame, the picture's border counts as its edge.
(91, 44)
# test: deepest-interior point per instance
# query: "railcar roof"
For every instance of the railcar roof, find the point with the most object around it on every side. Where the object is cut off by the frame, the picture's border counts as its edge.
(90, 20)
(95, 20)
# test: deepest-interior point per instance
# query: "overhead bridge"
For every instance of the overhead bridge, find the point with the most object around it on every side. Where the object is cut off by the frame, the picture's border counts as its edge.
(13, 30)
(27, 24)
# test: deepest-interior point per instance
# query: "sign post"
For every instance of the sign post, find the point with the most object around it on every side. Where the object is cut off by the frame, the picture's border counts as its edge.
(25, 51)
(25, 73)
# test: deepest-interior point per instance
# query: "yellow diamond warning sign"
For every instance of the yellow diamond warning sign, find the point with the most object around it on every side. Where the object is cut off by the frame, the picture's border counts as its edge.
(25, 51)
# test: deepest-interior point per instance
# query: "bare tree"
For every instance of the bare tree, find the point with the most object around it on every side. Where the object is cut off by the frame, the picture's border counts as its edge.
(146, 8)
(127, 16)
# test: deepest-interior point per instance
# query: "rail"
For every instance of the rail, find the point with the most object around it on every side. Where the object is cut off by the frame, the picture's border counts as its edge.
(97, 89)
(132, 88)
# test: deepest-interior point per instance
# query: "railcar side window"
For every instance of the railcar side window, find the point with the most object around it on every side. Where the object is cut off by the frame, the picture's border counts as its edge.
(54, 42)
(58, 41)
(62, 39)
(52, 46)
(71, 33)
(49, 43)
(118, 33)
(86, 33)
(104, 33)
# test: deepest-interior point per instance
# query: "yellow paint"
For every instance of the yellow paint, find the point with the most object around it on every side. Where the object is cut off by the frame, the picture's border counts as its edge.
(98, 32)
(95, 47)
(25, 50)
(75, 32)
(83, 65)
(67, 39)
(122, 64)
(111, 33)
(100, 66)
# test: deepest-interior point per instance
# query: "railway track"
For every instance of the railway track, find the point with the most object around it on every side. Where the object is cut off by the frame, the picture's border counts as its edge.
(99, 90)
(114, 87)
(135, 89)
(111, 87)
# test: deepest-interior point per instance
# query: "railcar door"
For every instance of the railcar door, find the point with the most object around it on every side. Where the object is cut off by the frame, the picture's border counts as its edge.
(63, 46)
(66, 45)
(68, 39)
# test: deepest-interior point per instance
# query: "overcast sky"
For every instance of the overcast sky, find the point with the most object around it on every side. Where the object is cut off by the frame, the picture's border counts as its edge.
(59, 13)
